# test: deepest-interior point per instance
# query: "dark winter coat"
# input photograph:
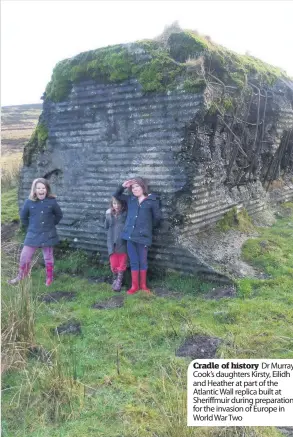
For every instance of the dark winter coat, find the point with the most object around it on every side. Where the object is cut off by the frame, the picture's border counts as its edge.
(40, 218)
(141, 217)
(115, 224)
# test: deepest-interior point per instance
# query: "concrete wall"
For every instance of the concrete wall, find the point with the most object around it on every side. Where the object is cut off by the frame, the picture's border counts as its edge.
(104, 134)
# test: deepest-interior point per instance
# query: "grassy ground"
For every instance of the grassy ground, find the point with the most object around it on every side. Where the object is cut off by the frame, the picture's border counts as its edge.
(9, 208)
(121, 376)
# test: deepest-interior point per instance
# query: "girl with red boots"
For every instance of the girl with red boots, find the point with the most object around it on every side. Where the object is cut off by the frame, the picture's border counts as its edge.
(114, 223)
(40, 215)
(143, 214)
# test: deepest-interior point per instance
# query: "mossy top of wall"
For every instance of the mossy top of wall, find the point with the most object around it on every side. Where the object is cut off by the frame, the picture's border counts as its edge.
(160, 65)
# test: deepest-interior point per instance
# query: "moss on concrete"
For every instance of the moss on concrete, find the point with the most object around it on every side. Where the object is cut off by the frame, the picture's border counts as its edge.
(110, 64)
(185, 45)
(194, 85)
(161, 67)
(159, 74)
(36, 144)
(235, 220)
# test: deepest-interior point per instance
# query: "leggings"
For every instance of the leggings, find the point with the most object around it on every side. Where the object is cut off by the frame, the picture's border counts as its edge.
(118, 262)
(28, 251)
(26, 258)
(138, 254)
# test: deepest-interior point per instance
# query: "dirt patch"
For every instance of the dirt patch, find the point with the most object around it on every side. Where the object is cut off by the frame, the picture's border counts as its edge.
(113, 302)
(56, 296)
(71, 327)
(220, 293)
(199, 346)
(163, 292)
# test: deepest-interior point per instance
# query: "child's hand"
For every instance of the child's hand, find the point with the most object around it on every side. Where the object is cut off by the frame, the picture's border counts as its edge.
(128, 183)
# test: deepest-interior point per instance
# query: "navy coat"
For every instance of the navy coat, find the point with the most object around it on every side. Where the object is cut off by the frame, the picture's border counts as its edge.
(141, 217)
(114, 225)
(40, 217)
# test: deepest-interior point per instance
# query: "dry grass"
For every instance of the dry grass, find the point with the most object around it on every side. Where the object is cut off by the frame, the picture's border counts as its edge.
(61, 396)
(15, 134)
(10, 168)
(168, 30)
(195, 65)
(50, 386)
(18, 320)
(18, 310)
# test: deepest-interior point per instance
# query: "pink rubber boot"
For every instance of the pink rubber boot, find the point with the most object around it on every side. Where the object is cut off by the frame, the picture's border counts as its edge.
(22, 273)
(49, 274)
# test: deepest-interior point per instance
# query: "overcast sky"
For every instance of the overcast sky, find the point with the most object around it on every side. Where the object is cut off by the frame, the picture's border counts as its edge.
(35, 35)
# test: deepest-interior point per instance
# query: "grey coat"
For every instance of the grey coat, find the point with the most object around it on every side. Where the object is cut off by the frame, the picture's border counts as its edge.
(114, 225)
(40, 217)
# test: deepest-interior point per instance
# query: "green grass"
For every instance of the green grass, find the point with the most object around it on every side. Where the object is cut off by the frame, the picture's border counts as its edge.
(237, 220)
(124, 376)
(9, 208)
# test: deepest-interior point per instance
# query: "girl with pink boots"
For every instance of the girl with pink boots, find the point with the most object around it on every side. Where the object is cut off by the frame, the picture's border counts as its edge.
(40, 215)
(143, 214)
(114, 223)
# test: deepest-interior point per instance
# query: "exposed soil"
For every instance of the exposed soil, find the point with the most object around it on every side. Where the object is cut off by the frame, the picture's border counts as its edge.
(71, 327)
(113, 302)
(56, 296)
(199, 346)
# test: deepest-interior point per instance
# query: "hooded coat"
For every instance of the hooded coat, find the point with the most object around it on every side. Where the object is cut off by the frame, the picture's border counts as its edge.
(142, 217)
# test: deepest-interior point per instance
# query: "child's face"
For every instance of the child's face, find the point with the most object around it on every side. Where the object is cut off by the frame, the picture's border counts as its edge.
(116, 205)
(41, 191)
(137, 191)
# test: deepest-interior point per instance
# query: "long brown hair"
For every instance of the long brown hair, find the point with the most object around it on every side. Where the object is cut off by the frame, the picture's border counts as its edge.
(121, 202)
(33, 195)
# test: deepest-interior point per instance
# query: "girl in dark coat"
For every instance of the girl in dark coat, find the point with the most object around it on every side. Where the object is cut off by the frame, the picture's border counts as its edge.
(143, 214)
(40, 214)
(114, 223)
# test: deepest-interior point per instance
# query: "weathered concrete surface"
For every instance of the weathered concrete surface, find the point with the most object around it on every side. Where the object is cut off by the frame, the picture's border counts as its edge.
(106, 133)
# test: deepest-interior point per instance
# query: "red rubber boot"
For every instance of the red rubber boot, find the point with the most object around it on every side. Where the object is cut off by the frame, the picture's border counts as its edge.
(134, 279)
(143, 285)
